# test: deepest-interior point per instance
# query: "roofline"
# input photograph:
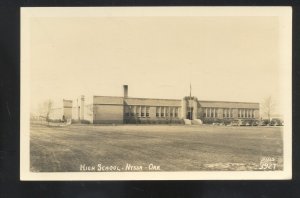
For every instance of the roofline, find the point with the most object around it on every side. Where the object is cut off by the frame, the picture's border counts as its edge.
(227, 101)
(175, 99)
(109, 96)
(139, 98)
(153, 99)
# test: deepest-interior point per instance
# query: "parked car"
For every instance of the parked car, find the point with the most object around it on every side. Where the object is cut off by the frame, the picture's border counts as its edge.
(237, 123)
(243, 123)
(276, 122)
(264, 122)
(255, 123)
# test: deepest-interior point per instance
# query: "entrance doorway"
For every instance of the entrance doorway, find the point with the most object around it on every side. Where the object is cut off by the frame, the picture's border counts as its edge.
(190, 114)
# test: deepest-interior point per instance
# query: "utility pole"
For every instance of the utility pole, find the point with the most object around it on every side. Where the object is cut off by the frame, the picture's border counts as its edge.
(190, 102)
(190, 90)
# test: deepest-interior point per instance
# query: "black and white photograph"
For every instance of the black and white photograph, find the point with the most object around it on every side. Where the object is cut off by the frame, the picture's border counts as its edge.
(156, 93)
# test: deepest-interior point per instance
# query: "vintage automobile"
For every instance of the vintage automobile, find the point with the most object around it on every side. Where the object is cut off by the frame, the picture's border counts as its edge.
(276, 122)
(237, 123)
(264, 122)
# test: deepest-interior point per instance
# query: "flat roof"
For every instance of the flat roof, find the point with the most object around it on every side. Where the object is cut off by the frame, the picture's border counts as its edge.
(161, 101)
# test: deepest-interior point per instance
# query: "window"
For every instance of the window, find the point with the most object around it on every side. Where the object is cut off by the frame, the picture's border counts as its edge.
(138, 109)
(204, 112)
(176, 112)
(216, 113)
(157, 111)
(126, 111)
(147, 111)
(171, 111)
(162, 113)
(132, 110)
(167, 111)
(211, 113)
(143, 109)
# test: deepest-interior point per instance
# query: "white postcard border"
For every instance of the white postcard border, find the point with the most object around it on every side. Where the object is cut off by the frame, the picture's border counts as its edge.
(285, 16)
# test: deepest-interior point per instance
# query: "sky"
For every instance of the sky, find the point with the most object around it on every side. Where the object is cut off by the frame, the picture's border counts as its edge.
(223, 58)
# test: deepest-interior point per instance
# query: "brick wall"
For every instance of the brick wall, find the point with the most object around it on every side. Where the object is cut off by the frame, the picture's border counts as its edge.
(108, 114)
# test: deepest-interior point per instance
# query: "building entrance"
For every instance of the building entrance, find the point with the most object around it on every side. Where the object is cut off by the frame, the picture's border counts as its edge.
(190, 114)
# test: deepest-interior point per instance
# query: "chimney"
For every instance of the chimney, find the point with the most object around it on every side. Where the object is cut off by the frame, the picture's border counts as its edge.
(125, 87)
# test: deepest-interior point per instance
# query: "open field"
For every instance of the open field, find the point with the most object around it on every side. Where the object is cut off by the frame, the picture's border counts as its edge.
(173, 148)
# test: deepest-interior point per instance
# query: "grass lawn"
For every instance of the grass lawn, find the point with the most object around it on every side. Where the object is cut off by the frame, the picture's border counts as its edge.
(173, 148)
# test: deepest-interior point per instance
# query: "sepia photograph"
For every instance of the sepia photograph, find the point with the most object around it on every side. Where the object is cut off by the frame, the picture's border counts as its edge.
(156, 93)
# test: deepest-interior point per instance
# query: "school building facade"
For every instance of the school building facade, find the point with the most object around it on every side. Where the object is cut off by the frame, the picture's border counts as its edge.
(122, 110)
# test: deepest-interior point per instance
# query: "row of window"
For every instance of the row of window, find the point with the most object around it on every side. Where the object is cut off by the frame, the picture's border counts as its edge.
(167, 111)
(144, 111)
(210, 112)
(246, 113)
(228, 113)
(137, 111)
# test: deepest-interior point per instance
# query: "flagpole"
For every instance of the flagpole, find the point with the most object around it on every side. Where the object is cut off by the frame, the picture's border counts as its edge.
(190, 90)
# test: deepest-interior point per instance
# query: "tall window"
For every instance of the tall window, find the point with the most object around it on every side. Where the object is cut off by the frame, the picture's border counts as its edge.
(138, 109)
(211, 112)
(204, 112)
(176, 112)
(127, 109)
(171, 111)
(147, 111)
(157, 111)
(162, 113)
(143, 111)
(167, 111)
(132, 108)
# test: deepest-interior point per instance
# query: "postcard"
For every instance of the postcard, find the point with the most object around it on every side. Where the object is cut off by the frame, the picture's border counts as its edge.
(156, 93)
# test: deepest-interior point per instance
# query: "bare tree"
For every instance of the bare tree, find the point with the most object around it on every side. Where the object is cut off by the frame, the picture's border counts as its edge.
(45, 109)
(268, 106)
(49, 104)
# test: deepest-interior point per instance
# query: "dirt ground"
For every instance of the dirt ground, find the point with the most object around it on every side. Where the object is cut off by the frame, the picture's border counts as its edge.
(166, 147)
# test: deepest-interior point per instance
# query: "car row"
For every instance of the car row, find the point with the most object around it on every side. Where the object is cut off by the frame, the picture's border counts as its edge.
(262, 122)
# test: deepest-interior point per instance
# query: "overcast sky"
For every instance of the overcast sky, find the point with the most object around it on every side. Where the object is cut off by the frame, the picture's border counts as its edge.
(224, 58)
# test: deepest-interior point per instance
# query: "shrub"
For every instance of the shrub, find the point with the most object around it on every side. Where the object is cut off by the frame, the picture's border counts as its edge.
(85, 122)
